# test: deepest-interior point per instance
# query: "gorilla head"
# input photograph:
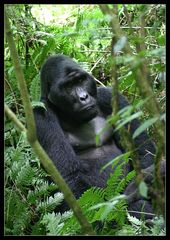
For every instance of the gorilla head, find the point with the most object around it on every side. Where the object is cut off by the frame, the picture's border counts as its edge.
(71, 90)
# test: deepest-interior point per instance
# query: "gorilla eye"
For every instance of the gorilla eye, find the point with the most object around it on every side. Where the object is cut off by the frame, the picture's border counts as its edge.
(81, 80)
(69, 85)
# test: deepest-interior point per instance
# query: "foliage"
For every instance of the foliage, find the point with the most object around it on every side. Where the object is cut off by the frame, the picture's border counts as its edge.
(82, 32)
(29, 204)
(139, 228)
(102, 206)
(27, 191)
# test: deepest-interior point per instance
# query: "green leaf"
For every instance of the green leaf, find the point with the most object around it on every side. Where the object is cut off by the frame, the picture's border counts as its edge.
(135, 115)
(35, 104)
(115, 160)
(107, 206)
(126, 111)
(144, 126)
(143, 189)
(120, 44)
(142, 102)
(35, 88)
(134, 220)
(161, 40)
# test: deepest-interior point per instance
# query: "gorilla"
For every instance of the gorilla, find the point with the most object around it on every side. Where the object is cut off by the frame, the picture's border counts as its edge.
(76, 110)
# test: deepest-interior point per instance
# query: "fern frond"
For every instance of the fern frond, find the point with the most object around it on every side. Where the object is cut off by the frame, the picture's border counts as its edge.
(109, 209)
(92, 196)
(52, 223)
(38, 104)
(57, 224)
(50, 203)
(89, 198)
(113, 181)
(35, 88)
(17, 214)
(133, 220)
(122, 184)
(44, 190)
(118, 214)
(25, 176)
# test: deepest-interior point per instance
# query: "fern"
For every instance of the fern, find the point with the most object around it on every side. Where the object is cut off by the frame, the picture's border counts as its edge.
(27, 192)
(133, 220)
(30, 194)
(53, 223)
(38, 104)
(158, 228)
(92, 196)
(25, 176)
(105, 205)
(43, 190)
(35, 88)
(50, 203)
(116, 184)
(71, 226)
(17, 214)
(113, 181)
(105, 209)
(123, 183)
(137, 227)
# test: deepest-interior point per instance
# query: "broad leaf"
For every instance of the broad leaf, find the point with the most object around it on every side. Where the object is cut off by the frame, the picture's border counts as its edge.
(144, 126)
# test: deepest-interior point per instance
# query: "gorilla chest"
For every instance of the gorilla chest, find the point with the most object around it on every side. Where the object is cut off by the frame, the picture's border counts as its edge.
(84, 136)
(94, 155)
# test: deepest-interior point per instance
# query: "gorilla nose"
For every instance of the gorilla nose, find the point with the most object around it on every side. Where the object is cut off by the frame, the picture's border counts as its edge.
(83, 96)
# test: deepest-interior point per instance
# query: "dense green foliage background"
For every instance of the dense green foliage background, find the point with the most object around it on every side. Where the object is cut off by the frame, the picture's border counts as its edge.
(83, 33)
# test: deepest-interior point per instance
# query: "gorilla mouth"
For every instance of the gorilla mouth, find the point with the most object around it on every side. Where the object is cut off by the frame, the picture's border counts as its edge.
(88, 112)
(87, 108)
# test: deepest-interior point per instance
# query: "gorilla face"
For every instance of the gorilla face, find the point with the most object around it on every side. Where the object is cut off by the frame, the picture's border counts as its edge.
(74, 94)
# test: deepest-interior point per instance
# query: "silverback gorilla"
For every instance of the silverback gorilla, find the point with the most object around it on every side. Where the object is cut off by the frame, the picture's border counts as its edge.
(76, 110)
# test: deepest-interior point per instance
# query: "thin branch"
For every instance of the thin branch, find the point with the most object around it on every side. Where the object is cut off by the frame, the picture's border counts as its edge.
(32, 138)
(141, 74)
(6, 81)
(14, 118)
(22, 84)
(99, 82)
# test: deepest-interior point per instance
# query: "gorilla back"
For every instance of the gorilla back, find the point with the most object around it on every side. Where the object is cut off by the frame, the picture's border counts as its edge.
(76, 111)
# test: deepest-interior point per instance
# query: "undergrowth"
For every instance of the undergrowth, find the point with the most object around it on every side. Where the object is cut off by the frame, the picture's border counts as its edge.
(30, 200)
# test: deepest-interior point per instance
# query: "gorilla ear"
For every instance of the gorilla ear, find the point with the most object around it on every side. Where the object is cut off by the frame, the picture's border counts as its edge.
(52, 95)
(44, 90)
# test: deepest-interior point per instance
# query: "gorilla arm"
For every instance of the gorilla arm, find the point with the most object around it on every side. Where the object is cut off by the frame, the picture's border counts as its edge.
(146, 151)
(53, 140)
(146, 148)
